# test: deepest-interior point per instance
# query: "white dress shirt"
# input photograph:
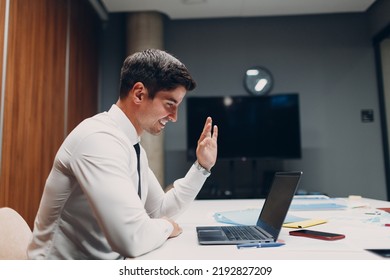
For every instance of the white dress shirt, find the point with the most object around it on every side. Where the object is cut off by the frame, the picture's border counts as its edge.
(90, 208)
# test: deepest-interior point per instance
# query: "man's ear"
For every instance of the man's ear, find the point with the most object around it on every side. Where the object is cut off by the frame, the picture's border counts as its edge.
(139, 92)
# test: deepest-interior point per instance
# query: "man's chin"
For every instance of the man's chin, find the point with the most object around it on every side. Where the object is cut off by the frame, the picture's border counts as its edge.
(156, 133)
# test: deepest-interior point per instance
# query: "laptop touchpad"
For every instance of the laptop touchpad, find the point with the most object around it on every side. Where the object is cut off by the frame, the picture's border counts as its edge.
(214, 234)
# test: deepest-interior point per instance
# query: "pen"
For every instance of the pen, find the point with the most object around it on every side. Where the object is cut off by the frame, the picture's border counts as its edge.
(259, 245)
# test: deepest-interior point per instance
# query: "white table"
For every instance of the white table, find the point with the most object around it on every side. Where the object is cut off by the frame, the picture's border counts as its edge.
(363, 227)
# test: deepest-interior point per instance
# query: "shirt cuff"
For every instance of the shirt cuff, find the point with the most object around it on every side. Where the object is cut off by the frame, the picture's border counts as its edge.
(201, 169)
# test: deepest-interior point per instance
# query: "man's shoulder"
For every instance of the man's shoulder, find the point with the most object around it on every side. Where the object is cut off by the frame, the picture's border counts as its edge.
(96, 123)
(94, 127)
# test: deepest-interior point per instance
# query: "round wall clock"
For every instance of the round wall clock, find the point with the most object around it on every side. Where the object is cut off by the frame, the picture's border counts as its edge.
(258, 80)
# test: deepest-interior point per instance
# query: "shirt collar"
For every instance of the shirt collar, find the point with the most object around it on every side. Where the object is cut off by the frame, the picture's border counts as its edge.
(123, 122)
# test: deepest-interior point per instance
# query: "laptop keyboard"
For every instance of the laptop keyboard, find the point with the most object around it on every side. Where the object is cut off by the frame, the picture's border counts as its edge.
(243, 233)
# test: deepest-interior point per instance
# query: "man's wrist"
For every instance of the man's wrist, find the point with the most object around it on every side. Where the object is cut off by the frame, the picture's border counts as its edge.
(201, 168)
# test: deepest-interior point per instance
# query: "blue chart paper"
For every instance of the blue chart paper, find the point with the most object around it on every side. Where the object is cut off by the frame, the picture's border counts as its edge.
(318, 202)
(246, 217)
(317, 206)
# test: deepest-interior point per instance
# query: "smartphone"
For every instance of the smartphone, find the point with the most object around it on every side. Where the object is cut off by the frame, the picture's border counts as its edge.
(381, 252)
(317, 234)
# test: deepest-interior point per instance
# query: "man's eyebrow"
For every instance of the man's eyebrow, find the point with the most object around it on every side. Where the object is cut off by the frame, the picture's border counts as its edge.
(173, 100)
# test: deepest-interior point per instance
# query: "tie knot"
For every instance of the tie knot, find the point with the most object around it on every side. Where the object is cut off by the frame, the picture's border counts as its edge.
(137, 148)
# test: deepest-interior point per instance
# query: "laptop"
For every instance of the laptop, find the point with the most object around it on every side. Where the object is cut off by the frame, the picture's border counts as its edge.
(269, 223)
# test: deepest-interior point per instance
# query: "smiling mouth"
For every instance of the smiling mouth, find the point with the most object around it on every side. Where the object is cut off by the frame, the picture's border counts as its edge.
(163, 122)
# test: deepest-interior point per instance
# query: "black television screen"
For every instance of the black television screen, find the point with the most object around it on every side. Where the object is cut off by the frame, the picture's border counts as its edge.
(249, 126)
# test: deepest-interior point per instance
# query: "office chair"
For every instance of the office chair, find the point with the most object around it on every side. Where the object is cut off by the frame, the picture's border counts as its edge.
(15, 235)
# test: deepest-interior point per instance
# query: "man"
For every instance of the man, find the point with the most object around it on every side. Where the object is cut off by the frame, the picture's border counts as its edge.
(95, 205)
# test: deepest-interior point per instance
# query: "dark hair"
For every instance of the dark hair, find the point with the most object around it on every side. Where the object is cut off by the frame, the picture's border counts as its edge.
(157, 70)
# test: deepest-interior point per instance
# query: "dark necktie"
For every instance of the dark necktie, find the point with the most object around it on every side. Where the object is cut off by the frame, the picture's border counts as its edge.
(138, 152)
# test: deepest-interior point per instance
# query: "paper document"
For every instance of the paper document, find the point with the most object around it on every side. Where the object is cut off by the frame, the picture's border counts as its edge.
(247, 217)
(317, 203)
(304, 224)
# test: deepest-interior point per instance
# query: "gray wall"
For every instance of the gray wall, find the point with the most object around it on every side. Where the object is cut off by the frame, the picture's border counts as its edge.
(327, 59)
(379, 14)
(112, 54)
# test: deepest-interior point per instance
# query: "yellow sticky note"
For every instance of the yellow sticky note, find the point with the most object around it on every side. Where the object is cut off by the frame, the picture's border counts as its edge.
(304, 224)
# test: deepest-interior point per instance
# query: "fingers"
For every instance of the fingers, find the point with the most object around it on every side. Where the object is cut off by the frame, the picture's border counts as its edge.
(215, 133)
(177, 230)
(206, 151)
(208, 121)
(206, 129)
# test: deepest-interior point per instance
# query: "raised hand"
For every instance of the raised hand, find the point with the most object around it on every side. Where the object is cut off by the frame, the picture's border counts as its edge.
(206, 151)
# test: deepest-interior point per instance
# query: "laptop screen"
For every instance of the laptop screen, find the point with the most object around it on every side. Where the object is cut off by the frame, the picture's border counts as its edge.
(278, 200)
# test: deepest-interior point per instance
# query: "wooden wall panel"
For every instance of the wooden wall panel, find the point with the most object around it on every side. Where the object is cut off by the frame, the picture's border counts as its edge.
(34, 114)
(34, 101)
(2, 18)
(83, 63)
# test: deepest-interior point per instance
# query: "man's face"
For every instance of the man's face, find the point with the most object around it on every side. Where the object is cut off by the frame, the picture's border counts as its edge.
(156, 113)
